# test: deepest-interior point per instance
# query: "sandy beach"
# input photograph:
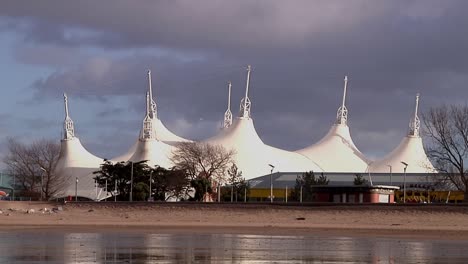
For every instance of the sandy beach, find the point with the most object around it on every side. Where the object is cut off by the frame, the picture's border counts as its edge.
(430, 221)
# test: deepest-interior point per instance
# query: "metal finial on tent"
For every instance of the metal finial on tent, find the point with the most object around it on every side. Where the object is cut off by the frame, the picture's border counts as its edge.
(228, 114)
(342, 114)
(147, 131)
(68, 127)
(415, 123)
(154, 112)
(148, 104)
(245, 103)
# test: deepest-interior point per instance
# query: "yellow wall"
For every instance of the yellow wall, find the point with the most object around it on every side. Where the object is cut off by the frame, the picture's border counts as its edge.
(435, 196)
(411, 195)
(265, 193)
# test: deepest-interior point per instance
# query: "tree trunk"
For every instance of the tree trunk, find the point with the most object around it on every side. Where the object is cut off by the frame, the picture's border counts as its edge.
(465, 195)
(232, 193)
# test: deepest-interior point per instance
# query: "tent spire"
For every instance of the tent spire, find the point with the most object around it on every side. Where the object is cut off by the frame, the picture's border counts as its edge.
(415, 123)
(245, 103)
(147, 131)
(342, 114)
(68, 127)
(228, 114)
(148, 104)
(153, 112)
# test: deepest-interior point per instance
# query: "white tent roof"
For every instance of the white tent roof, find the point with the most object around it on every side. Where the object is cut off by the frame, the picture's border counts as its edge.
(336, 152)
(161, 132)
(127, 155)
(410, 151)
(73, 154)
(154, 151)
(149, 147)
(253, 157)
(75, 162)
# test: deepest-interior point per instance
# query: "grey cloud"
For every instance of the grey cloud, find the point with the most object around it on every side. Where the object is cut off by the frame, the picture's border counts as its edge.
(48, 55)
(290, 98)
(299, 52)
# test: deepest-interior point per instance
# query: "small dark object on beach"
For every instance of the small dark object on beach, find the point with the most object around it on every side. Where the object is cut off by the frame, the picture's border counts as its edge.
(300, 218)
(90, 210)
(57, 209)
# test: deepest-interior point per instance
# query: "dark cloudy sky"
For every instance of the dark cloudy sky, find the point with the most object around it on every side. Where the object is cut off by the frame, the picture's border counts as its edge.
(98, 52)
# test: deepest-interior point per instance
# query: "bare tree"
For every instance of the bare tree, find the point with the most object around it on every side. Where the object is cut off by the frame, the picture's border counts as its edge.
(447, 129)
(202, 162)
(33, 166)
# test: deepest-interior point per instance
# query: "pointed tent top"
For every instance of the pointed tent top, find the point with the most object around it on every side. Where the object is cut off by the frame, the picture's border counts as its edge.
(342, 114)
(147, 132)
(153, 113)
(245, 103)
(148, 104)
(68, 127)
(228, 114)
(415, 123)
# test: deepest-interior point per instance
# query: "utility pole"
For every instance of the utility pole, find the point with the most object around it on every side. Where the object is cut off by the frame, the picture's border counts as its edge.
(131, 182)
(286, 194)
(151, 180)
(42, 182)
(271, 182)
(404, 181)
(390, 166)
(76, 190)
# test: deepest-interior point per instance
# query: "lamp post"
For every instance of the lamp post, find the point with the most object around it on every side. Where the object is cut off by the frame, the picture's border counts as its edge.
(115, 191)
(271, 182)
(14, 184)
(300, 198)
(96, 189)
(131, 182)
(404, 180)
(390, 166)
(151, 179)
(42, 182)
(76, 189)
(370, 176)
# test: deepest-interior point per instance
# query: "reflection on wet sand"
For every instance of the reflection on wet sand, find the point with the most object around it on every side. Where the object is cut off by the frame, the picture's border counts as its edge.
(49, 246)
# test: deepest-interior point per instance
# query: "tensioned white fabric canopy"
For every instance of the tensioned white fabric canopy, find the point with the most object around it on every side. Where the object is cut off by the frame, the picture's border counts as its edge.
(76, 165)
(161, 134)
(336, 152)
(252, 156)
(410, 151)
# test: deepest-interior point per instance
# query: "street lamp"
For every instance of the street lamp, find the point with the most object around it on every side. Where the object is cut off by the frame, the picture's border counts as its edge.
(151, 179)
(404, 181)
(390, 166)
(96, 189)
(271, 182)
(115, 191)
(131, 182)
(76, 189)
(302, 183)
(42, 182)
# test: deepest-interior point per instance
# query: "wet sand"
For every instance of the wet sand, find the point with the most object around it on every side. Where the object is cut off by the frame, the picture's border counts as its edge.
(423, 222)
